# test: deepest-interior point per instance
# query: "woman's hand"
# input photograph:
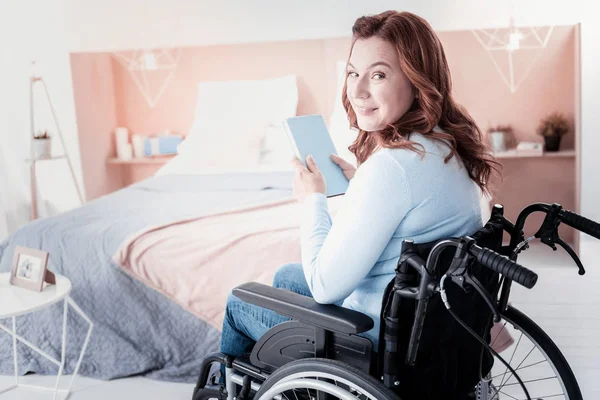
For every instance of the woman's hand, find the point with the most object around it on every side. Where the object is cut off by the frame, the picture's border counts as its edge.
(307, 180)
(348, 169)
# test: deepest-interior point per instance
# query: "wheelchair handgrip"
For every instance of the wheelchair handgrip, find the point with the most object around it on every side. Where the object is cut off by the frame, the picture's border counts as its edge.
(580, 223)
(502, 265)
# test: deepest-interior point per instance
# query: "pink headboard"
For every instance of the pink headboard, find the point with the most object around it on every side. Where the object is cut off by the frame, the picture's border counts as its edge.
(107, 97)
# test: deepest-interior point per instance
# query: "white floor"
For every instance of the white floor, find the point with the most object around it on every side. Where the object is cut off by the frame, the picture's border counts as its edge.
(566, 306)
(90, 389)
(563, 303)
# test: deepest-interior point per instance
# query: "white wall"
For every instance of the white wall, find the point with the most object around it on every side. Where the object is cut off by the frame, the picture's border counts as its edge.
(128, 24)
(590, 123)
(33, 29)
(55, 27)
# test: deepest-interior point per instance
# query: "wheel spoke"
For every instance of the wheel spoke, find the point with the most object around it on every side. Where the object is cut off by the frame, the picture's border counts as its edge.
(506, 394)
(536, 397)
(351, 390)
(499, 333)
(511, 374)
(532, 380)
(522, 368)
(552, 376)
(502, 381)
(528, 354)
(552, 395)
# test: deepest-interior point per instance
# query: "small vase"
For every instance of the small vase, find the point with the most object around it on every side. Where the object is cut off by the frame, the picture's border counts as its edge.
(42, 148)
(498, 141)
(552, 143)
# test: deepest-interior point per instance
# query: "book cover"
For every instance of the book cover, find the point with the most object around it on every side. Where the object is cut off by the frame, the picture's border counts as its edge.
(309, 136)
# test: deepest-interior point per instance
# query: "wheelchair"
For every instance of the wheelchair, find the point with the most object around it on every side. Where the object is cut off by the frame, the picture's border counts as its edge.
(435, 338)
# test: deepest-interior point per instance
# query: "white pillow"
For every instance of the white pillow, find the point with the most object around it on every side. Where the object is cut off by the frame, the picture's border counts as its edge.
(276, 149)
(183, 165)
(215, 143)
(233, 117)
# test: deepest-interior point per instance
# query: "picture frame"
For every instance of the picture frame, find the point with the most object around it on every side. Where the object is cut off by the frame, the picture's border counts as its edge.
(29, 269)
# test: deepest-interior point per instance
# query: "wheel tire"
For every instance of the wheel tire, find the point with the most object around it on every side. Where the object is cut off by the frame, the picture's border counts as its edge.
(342, 370)
(550, 350)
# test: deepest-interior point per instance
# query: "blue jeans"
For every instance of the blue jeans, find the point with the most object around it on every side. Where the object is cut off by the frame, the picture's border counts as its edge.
(245, 323)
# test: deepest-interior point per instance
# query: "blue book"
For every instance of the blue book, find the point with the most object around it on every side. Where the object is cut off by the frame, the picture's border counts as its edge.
(162, 145)
(309, 136)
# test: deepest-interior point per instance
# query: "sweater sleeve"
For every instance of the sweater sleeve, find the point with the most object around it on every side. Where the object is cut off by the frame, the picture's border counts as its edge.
(337, 256)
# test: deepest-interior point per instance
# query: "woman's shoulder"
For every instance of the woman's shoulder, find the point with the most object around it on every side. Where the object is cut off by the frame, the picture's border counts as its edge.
(439, 147)
(383, 158)
(430, 156)
(381, 175)
(428, 151)
(425, 147)
(381, 165)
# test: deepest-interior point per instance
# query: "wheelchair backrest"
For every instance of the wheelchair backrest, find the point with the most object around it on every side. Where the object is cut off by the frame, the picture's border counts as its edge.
(449, 360)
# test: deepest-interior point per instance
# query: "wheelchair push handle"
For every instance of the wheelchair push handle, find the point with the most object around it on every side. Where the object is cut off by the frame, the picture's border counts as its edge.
(581, 223)
(502, 265)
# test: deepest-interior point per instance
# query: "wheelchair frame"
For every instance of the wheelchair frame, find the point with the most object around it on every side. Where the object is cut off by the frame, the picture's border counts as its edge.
(330, 332)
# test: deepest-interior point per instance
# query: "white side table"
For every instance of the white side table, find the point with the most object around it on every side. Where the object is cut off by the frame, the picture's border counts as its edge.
(16, 301)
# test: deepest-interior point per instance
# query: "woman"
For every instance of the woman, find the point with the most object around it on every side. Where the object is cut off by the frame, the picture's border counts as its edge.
(422, 164)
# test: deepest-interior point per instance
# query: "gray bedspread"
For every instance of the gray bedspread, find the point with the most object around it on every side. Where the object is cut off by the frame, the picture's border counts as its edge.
(136, 329)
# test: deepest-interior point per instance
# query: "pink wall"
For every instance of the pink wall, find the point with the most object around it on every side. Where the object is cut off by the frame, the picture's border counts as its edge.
(95, 104)
(477, 86)
(247, 61)
(548, 87)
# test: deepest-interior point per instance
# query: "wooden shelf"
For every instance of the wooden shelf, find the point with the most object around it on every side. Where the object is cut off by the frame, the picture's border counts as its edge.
(144, 160)
(45, 159)
(551, 154)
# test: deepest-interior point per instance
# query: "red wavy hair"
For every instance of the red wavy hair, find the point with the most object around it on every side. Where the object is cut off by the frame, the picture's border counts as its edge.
(423, 61)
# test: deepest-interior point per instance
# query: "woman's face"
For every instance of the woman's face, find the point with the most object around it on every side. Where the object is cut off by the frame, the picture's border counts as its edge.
(378, 90)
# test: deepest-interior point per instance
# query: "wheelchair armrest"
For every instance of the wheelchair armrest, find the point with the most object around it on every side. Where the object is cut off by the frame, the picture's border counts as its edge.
(303, 308)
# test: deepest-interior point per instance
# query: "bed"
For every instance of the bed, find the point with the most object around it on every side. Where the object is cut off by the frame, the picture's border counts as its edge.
(140, 328)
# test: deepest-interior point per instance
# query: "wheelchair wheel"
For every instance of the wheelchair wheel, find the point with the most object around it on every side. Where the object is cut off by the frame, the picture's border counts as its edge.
(319, 379)
(539, 363)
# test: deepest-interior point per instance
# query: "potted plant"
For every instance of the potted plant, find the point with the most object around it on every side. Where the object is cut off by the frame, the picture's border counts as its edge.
(552, 128)
(41, 145)
(500, 137)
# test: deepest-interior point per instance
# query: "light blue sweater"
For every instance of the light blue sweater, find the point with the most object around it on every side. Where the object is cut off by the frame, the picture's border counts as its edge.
(394, 195)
